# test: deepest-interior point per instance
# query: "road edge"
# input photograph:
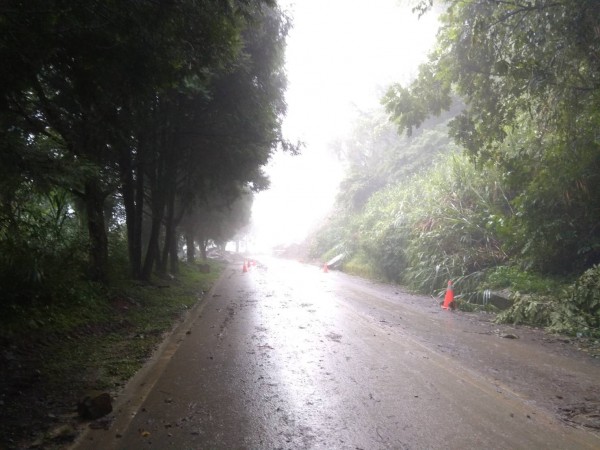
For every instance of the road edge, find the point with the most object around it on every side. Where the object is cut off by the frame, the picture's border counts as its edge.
(133, 394)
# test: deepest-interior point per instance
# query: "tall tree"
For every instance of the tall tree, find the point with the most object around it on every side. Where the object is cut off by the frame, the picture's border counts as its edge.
(524, 65)
(82, 70)
(218, 142)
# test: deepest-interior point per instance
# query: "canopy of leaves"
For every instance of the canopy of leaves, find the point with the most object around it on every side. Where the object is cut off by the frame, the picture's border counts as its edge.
(131, 113)
(529, 73)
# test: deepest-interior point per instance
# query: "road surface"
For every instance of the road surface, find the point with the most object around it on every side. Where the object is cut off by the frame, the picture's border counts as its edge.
(286, 356)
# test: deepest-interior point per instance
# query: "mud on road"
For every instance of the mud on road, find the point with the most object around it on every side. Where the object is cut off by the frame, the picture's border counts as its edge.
(558, 373)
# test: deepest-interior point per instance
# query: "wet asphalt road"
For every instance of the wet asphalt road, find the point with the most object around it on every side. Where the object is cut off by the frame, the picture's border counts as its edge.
(286, 356)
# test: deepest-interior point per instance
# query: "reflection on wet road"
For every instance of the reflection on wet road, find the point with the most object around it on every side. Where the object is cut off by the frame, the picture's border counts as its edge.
(286, 356)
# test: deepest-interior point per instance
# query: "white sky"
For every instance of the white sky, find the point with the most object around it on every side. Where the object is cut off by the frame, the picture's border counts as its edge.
(341, 55)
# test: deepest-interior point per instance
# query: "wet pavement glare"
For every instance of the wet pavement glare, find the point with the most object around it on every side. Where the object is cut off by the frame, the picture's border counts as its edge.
(286, 356)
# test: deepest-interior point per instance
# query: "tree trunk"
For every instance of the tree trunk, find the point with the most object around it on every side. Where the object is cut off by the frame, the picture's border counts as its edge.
(191, 249)
(170, 246)
(98, 246)
(152, 251)
(157, 203)
(174, 257)
(203, 244)
(136, 262)
(169, 231)
(132, 203)
(161, 266)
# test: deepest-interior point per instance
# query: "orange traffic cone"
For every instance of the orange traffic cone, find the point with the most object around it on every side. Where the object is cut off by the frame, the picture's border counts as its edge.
(325, 268)
(245, 267)
(449, 299)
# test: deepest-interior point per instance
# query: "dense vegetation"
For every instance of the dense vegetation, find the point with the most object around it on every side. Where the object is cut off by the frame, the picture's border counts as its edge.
(513, 201)
(129, 131)
(126, 130)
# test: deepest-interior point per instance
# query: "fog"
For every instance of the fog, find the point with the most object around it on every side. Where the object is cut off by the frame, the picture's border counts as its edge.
(341, 56)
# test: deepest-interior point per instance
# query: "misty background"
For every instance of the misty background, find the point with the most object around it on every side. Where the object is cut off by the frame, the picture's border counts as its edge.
(341, 57)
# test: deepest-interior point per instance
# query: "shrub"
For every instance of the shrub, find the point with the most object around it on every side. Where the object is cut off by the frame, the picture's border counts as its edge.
(576, 311)
(443, 224)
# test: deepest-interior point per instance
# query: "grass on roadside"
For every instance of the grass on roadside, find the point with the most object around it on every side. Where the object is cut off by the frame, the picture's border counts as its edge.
(56, 354)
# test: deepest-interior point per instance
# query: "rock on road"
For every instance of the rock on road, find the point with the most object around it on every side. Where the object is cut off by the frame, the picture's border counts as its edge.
(286, 356)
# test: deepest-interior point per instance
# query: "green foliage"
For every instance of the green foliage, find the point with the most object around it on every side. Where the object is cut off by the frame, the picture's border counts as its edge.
(359, 265)
(382, 234)
(367, 205)
(560, 316)
(446, 223)
(72, 306)
(527, 73)
(118, 257)
(574, 310)
(333, 238)
(531, 112)
(450, 221)
(377, 156)
(535, 310)
(506, 58)
(142, 110)
(41, 248)
(42, 283)
(586, 294)
(557, 210)
(467, 222)
(518, 280)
